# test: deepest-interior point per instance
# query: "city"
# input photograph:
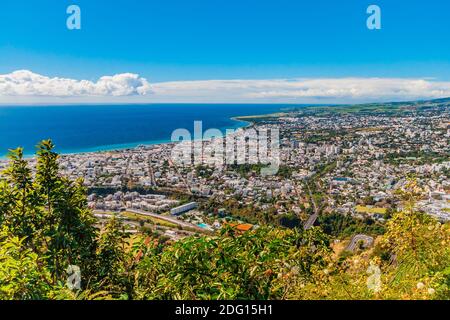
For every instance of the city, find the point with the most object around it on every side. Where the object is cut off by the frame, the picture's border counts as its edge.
(331, 162)
(225, 159)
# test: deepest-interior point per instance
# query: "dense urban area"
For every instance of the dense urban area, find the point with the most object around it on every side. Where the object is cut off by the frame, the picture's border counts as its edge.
(335, 161)
(355, 188)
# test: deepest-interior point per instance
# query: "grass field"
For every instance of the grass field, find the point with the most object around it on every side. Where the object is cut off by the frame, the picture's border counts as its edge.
(363, 209)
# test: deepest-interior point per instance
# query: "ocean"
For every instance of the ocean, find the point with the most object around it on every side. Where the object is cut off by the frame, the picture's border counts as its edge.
(91, 128)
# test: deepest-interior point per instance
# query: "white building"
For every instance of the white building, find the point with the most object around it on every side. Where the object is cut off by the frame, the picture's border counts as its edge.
(184, 208)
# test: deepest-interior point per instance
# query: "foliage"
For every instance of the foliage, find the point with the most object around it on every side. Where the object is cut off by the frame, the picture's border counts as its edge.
(345, 226)
(413, 257)
(21, 273)
(230, 266)
(45, 227)
(46, 217)
(290, 221)
(112, 259)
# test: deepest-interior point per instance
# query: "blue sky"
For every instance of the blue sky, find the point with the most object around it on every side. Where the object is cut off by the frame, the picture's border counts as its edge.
(179, 40)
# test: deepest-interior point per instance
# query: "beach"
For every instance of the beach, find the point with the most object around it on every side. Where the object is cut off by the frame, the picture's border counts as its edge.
(76, 129)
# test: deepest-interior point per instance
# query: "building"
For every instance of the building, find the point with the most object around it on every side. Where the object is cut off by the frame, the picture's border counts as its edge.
(184, 208)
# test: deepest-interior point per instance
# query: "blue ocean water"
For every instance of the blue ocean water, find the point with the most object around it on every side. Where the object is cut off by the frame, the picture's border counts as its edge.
(106, 127)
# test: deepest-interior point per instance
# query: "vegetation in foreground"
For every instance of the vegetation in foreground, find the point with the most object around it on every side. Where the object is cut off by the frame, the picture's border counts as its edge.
(45, 227)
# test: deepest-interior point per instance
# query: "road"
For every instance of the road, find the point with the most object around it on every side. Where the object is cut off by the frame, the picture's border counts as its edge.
(188, 188)
(168, 219)
(312, 219)
(367, 240)
(175, 221)
(150, 171)
(137, 224)
(316, 180)
(310, 222)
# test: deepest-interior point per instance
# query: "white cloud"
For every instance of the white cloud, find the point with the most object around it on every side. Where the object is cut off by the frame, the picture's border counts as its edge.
(28, 87)
(338, 89)
(26, 83)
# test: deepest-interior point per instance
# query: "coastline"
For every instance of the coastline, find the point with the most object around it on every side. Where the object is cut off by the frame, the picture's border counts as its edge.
(259, 116)
(240, 124)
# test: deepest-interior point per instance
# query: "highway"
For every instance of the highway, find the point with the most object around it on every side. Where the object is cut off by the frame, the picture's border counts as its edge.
(183, 224)
(312, 219)
(175, 221)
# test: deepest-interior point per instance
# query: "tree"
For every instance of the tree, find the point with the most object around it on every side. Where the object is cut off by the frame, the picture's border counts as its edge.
(229, 266)
(49, 213)
(113, 260)
(22, 274)
(418, 247)
(45, 226)
(18, 200)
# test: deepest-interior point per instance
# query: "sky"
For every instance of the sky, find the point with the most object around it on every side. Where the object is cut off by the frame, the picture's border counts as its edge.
(283, 51)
